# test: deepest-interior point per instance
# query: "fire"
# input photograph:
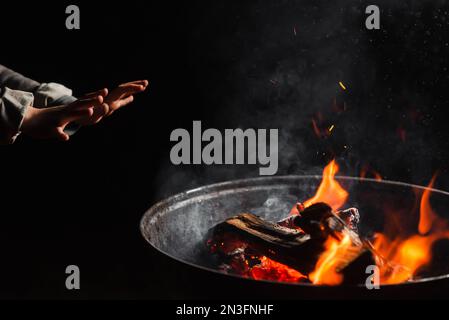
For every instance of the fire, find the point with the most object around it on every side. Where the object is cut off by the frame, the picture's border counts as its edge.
(329, 191)
(367, 172)
(271, 270)
(412, 252)
(403, 256)
(325, 271)
(400, 256)
(332, 193)
(427, 215)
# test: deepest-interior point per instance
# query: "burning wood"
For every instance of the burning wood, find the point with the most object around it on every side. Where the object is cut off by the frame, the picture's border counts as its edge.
(319, 243)
(297, 243)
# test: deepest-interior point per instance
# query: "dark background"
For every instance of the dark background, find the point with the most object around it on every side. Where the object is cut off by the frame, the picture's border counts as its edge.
(230, 64)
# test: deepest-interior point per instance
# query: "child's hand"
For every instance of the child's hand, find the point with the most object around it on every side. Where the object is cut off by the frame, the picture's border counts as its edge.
(123, 94)
(50, 122)
(114, 100)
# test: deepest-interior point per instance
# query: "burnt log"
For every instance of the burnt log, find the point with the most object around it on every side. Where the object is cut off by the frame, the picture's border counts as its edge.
(298, 246)
(288, 246)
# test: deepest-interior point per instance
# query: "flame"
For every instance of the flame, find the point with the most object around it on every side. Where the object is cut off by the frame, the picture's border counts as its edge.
(329, 191)
(271, 270)
(316, 129)
(400, 256)
(413, 252)
(403, 256)
(367, 171)
(427, 215)
(297, 209)
(325, 271)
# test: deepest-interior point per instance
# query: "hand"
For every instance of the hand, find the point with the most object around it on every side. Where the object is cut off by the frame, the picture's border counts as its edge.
(51, 122)
(114, 100)
(123, 94)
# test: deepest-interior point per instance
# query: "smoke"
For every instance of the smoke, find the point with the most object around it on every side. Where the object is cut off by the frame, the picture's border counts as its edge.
(284, 63)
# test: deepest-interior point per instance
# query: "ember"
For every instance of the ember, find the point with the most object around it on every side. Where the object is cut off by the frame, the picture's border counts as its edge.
(319, 243)
(271, 270)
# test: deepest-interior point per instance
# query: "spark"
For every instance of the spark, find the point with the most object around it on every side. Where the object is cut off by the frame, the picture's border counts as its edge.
(331, 128)
(342, 85)
(294, 31)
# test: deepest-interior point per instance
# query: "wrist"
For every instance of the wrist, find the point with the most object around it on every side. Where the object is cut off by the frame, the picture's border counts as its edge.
(28, 117)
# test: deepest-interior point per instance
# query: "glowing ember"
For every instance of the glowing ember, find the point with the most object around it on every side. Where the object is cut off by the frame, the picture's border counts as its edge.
(271, 270)
(342, 85)
(329, 191)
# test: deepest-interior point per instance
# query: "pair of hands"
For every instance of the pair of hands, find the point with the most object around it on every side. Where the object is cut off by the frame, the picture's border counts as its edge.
(89, 109)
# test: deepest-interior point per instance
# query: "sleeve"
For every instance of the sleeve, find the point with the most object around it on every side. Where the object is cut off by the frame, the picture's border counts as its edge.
(52, 94)
(16, 81)
(45, 94)
(13, 105)
(42, 94)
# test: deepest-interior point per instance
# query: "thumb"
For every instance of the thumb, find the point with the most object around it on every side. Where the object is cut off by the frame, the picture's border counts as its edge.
(61, 135)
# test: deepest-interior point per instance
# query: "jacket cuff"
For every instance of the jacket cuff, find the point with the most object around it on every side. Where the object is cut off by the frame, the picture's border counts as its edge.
(14, 105)
(48, 93)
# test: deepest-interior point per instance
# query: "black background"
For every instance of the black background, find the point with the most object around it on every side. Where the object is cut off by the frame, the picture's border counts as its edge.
(80, 202)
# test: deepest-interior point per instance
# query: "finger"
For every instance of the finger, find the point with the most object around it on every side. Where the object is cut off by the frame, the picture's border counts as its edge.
(121, 103)
(126, 101)
(74, 115)
(86, 103)
(99, 113)
(130, 88)
(139, 82)
(61, 135)
(103, 92)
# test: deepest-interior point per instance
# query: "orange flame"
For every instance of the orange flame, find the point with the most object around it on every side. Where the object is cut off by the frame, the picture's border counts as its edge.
(413, 252)
(367, 171)
(427, 215)
(400, 257)
(325, 271)
(329, 191)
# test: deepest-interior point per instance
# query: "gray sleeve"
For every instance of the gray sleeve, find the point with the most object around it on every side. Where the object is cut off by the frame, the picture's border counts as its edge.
(45, 94)
(13, 105)
(16, 81)
(17, 92)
